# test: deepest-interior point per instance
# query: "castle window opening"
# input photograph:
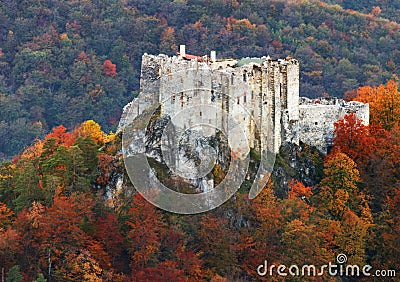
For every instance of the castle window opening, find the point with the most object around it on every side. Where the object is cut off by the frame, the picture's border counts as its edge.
(201, 114)
(244, 98)
(238, 100)
(212, 96)
(244, 77)
(181, 99)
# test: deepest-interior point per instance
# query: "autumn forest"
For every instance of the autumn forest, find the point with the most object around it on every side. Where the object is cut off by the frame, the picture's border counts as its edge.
(68, 211)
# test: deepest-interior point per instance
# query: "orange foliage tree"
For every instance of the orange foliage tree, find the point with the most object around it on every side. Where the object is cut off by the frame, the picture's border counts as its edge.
(9, 239)
(301, 235)
(298, 190)
(384, 102)
(215, 243)
(5, 216)
(54, 237)
(263, 239)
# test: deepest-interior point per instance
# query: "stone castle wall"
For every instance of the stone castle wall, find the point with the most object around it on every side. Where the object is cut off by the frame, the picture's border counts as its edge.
(317, 118)
(262, 95)
(256, 95)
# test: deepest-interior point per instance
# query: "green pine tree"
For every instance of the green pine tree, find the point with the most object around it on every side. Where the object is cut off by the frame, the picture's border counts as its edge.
(14, 274)
(40, 278)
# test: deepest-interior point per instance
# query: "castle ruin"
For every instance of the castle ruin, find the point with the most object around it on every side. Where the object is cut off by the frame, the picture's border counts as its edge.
(261, 93)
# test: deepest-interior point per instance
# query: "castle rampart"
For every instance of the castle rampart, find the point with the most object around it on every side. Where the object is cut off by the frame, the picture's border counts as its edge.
(317, 118)
(262, 94)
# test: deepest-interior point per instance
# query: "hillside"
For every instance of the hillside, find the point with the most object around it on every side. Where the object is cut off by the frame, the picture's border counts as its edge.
(68, 211)
(387, 9)
(63, 62)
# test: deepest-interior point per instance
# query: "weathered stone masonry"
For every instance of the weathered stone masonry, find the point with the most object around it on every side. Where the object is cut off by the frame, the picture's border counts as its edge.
(256, 93)
(317, 117)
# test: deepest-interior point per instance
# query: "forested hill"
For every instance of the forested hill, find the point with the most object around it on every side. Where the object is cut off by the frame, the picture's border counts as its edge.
(385, 8)
(63, 62)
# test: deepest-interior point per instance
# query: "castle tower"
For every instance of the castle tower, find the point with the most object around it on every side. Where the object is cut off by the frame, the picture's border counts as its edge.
(262, 94)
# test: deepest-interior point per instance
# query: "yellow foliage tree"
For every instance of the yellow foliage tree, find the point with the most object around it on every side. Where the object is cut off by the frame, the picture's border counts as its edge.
(93, 130)
(340, 172)
(340, 181)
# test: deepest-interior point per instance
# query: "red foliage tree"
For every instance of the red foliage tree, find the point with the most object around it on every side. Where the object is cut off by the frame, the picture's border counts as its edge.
(164, 271)
(298, 190)
(353, 138)
(109, 235)
(61, 135)
(147, 227)
(9, 248)
(109, 68)
(391, 232)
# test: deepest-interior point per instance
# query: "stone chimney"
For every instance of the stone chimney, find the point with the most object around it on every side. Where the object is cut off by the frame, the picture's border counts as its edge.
(213, 56)
(182, 50)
